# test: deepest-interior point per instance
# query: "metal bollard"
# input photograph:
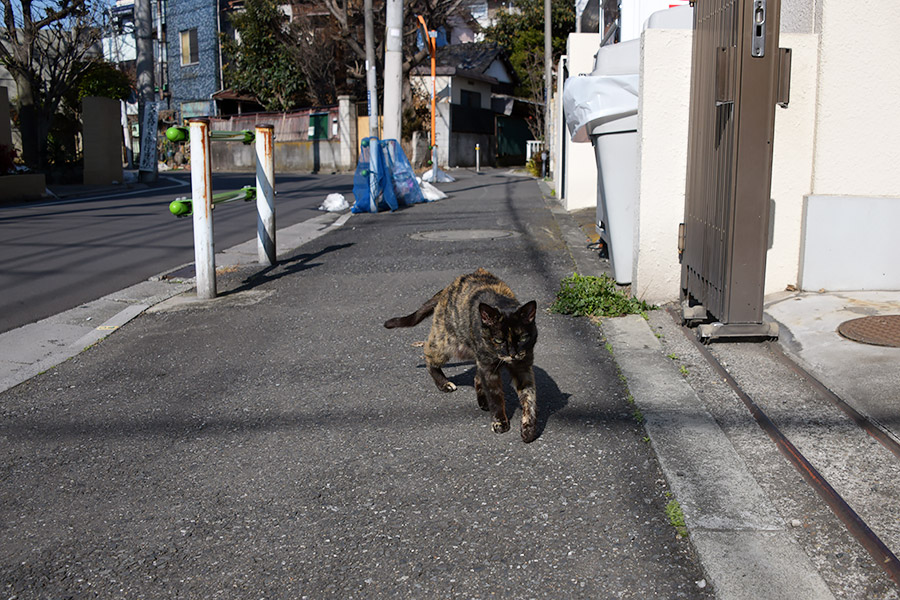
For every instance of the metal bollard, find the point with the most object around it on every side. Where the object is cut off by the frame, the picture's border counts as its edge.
(265, 196)
(434, 167)
(477, 158)
(201, 203)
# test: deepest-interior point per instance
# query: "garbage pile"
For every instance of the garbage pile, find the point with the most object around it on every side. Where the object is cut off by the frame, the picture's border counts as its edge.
(384, 178)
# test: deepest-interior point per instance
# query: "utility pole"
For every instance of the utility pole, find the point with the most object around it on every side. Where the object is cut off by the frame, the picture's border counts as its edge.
(371, 81)
(149, 109)
(548, 75)
(372, 95)
(393, 69)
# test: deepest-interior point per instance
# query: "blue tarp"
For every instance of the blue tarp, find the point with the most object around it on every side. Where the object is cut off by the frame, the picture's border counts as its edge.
(384, 179)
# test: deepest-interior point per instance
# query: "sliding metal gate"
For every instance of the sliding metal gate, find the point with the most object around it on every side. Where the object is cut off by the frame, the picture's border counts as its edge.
(738, 75)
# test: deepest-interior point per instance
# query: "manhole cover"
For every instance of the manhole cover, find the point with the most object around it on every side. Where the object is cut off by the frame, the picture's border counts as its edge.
(463, 235)
(879, 331)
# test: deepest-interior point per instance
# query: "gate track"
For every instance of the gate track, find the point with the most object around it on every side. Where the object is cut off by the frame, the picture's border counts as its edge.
(842, 510)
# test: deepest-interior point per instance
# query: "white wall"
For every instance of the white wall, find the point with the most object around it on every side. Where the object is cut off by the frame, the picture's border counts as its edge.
(857, 129)
(663, 130)
(662, 133)
(835, 175)
(792, 163)
(581, 166)
(855, 189)
(421, 84)
(473, 85)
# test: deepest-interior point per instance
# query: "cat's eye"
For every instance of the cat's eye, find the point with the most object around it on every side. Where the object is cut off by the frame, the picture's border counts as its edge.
(497, 341)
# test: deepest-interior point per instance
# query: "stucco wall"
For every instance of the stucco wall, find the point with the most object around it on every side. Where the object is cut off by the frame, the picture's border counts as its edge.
(859, 85)
(482, 88)
(662, 132)
(581, 166)
(792, 163)
(835, 180)
(855, 184)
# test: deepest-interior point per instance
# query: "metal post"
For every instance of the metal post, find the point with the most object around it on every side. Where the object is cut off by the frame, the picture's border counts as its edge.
(201, 201)
(371, 81)
(548, 72)
(143, 22)
(265, 194)
(393, 68)
(477, 158)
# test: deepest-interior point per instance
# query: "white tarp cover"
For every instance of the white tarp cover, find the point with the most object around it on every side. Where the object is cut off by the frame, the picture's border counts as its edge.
(591, 100)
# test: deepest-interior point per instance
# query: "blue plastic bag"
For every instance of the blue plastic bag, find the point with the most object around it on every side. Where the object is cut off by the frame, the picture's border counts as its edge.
(384, 179)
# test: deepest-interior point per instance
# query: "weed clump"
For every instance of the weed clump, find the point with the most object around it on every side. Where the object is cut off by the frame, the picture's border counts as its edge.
(580, 296)
(676, 518)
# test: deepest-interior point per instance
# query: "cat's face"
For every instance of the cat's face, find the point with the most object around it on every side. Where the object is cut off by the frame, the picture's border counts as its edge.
(511, 335)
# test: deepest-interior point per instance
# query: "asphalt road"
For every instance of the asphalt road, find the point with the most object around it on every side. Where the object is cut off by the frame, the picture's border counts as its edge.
(57, 255)
(279, 442)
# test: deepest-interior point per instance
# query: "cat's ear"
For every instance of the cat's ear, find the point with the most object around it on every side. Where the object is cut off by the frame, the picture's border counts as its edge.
(489, 314)
(527, 312)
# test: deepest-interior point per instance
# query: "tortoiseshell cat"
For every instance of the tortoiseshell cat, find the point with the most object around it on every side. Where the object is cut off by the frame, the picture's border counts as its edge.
(477, 316)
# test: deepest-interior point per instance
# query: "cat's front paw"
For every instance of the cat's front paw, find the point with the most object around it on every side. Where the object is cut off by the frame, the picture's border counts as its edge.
(529, 432)
(500, 426)
(448, 387)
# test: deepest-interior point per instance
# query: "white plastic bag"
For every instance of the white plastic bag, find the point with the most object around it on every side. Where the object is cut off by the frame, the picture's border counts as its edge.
(429, 191)
(334, 203)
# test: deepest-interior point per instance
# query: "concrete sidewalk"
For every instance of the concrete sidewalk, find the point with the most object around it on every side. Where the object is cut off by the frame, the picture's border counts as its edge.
(278, 441)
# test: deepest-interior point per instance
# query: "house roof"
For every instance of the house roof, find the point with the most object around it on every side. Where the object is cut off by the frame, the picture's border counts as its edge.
(478, 60)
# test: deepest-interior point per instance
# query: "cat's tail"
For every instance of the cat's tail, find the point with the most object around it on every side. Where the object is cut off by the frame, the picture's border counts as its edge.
(417, 317)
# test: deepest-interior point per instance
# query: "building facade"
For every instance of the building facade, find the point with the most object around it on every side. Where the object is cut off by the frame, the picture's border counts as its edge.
(194, 65)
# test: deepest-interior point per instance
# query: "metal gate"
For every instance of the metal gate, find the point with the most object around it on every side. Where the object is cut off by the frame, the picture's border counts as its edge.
(738, 74)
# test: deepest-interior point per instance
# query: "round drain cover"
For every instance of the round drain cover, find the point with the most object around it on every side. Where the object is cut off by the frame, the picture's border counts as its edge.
(463, 235)
(879, 330)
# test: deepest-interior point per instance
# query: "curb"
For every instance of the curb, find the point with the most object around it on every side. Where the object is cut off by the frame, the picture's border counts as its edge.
(743, 544)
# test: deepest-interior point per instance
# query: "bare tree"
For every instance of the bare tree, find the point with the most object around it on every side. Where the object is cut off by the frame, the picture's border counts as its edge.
(533, 61)
(46, 47)
(315, 51)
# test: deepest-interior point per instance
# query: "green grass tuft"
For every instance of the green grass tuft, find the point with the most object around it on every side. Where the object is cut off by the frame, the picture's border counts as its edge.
(595, 296)
(676, 517)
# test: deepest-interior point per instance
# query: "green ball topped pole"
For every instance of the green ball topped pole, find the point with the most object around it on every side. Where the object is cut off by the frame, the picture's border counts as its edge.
(181, 207)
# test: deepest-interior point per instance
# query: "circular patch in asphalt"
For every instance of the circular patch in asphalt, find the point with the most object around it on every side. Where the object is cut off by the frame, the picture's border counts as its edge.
(881, 330)
(464, 235)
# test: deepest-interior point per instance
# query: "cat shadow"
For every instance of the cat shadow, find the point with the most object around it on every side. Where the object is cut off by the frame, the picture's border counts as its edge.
(550, 399)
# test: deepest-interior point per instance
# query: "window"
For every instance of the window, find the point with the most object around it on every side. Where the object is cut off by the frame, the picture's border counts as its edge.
(470, 98)
(190, 53)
